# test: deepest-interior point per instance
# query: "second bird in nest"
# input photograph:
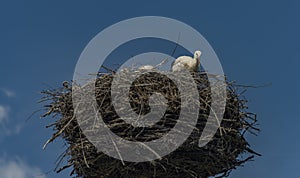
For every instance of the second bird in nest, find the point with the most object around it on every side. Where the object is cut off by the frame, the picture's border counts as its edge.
(181, 63)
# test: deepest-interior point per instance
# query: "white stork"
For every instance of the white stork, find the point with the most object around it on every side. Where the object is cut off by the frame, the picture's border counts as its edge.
(146, 67)
(187, 62)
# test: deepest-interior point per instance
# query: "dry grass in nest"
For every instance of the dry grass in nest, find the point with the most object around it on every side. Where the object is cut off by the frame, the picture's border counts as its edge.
(228, 149)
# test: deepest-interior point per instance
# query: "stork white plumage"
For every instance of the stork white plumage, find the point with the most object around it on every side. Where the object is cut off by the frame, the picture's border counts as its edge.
(146, 67)
(187, 62)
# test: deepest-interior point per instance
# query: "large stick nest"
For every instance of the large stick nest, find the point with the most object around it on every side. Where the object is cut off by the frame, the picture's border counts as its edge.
(228, 149)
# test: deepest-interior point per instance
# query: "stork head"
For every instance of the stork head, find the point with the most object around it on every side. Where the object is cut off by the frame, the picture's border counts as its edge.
(197, 54)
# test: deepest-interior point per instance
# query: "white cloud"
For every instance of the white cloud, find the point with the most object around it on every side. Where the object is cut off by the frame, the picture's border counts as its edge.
(6, 128)
(17, 168)
(8, 93)
(12, 130)
(3, 113)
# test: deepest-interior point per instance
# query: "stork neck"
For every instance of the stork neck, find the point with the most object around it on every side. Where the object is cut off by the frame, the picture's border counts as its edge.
(197, 61)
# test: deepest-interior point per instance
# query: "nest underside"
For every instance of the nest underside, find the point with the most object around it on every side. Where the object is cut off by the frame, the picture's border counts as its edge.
(226, 151)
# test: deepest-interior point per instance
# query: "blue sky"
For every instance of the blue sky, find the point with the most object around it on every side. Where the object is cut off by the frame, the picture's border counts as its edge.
(257, 43)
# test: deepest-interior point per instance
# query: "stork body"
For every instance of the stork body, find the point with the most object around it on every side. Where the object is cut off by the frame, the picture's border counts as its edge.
(187, 62)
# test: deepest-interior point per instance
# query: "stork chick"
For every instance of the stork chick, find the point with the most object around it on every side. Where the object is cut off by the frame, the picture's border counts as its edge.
(187, 62)
(146, 67)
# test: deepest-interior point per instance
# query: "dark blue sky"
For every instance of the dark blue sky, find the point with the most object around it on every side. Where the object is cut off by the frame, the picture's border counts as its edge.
(257, 43)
